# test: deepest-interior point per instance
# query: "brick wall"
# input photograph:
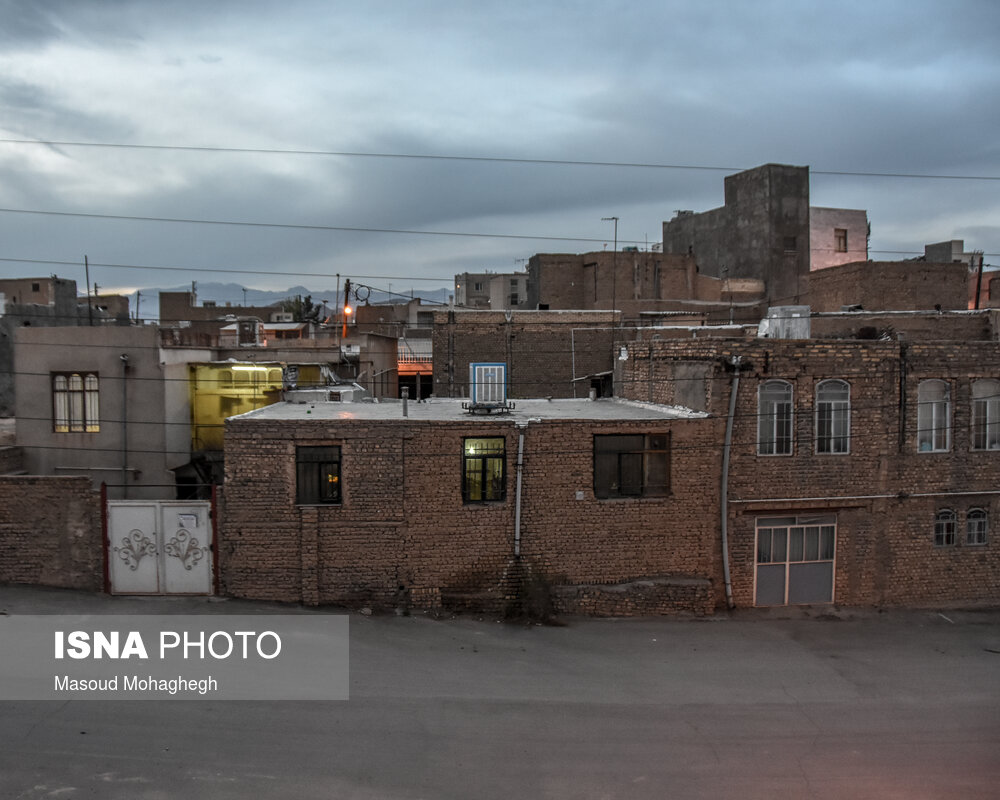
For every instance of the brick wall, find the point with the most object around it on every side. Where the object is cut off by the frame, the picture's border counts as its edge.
(885, 548)
(402, 534)
(899, 285)
(543, 350)
(50, 532)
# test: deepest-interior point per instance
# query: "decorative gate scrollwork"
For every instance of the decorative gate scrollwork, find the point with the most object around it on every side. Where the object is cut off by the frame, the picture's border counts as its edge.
(185, 547)
(133, 547)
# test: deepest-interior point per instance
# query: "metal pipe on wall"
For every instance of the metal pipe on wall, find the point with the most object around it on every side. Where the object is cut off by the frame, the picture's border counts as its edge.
(724, 500)
(124, 359)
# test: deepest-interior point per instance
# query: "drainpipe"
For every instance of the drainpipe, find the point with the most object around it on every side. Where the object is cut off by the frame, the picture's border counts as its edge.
(724, 500)
(517, 496)
(124, 359)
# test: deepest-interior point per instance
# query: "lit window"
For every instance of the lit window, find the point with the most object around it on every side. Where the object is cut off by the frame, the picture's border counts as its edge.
(833, 417)
(933, 417)
(317, 476)
(986, 415)
(976, 527)
(484, 469)
(631, 465)
(944, 528)
(840, 240)
(774, 419)
(76, 402)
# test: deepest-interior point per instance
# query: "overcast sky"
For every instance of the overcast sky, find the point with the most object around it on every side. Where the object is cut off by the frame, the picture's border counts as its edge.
(901, 87)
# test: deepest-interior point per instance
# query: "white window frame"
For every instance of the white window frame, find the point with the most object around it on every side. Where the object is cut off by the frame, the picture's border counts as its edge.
(76, 402)
(977, 527)
(933, 416)
(945, 528)
(837, 412)
(986, 414)
(769, 418)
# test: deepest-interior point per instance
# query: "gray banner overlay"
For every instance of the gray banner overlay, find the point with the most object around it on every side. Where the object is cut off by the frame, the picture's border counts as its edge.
(186, 657)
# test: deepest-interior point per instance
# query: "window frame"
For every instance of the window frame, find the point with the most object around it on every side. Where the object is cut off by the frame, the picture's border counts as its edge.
(945, 528)
(977, 527)
(772, 419)
(649, 452)
(935, 408)
(490, 490)
(311, 462)
(840, 240)
(985, 415)
(76, 401)
(836, 409)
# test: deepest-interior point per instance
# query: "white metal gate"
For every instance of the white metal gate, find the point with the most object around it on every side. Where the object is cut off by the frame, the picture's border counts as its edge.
(160, 547)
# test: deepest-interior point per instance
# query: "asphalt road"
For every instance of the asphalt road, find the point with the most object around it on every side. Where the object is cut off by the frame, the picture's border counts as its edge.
(799, 705)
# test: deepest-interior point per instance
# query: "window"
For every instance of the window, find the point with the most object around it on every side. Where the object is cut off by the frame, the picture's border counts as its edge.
(933, 417)
(75, 402)
(484, 469)
(833, 417)
(986, 415)
(790, 244)
(976, 526)
(35, 287)
(774, 418)
(944, 528)
(631, 465)
(317, 475)
(840, 240)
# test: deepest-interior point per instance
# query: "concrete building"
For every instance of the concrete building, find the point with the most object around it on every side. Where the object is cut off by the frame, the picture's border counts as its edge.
(492, 290)
(766, 231)
(104, 402)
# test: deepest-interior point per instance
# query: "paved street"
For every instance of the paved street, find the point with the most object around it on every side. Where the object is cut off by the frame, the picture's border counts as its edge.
(795, 704)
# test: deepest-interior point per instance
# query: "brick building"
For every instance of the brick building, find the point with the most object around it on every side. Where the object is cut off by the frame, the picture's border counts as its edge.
(547, 353)
(768, 231)
(890, 285)
(861, 472)
(639, 285)
(613, 507)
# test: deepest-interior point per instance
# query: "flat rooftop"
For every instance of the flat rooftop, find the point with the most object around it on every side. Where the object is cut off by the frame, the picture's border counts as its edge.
(450, 410)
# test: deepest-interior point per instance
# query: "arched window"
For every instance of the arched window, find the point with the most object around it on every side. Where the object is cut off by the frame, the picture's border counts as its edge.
(977, 525)
(774, 418)
(986, 415)
(944, 528)
(933, 416)
(833, 417)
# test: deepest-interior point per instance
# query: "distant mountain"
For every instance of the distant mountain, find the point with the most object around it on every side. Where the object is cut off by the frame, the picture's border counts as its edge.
(232, 294)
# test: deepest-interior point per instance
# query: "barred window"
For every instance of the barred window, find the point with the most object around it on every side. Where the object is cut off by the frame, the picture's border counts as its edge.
(76, 402)
(484, 469)
(317, 475)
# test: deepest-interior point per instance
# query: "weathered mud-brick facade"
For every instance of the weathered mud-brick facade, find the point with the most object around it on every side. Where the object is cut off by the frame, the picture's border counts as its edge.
(403, 530)
(885, 453)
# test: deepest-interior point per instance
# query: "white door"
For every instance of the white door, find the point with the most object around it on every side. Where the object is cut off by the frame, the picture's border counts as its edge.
(160, 547)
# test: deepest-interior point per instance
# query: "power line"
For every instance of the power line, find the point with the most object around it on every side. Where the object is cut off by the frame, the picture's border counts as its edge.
(483, 159)
(301, 226)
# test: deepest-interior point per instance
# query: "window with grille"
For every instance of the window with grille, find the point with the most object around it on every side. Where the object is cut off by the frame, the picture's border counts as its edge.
(76, 402)
(484, 469)
(317, 475)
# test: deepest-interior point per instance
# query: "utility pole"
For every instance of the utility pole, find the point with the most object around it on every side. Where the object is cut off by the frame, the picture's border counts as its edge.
(90, 308)
(614, 282)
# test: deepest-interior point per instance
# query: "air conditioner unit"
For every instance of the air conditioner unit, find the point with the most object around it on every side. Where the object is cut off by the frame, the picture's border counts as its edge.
(488, 383)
